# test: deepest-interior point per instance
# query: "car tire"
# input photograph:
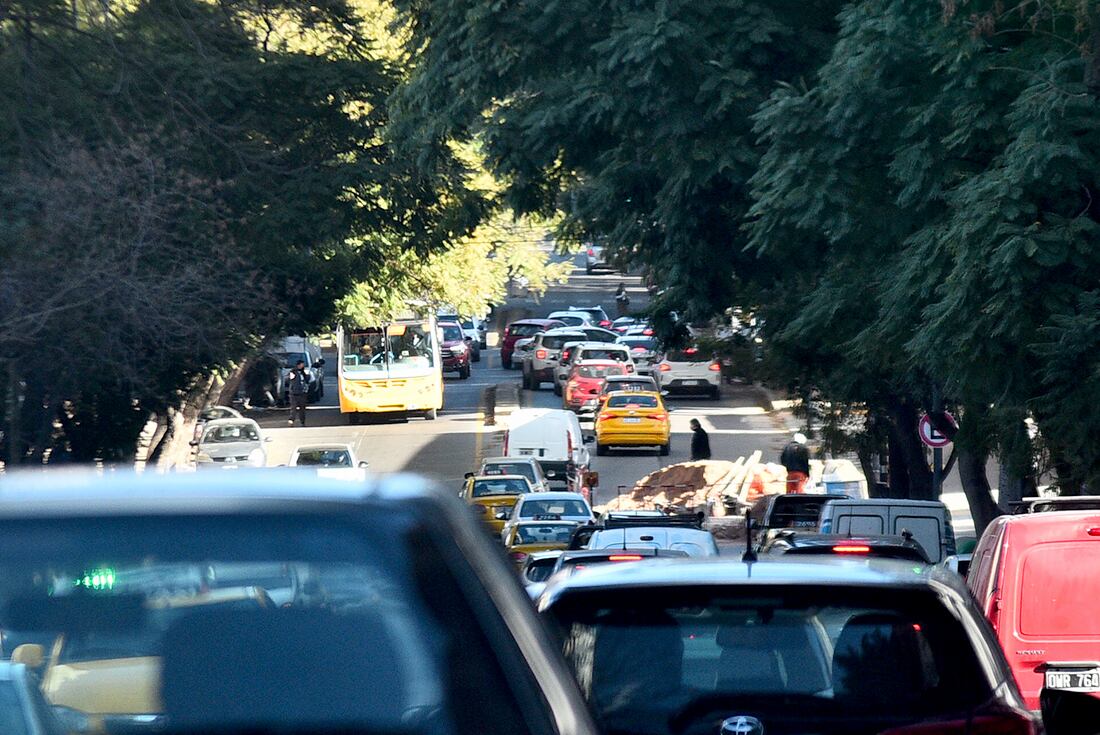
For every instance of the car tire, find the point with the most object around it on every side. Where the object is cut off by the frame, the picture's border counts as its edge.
(465, 374)
(506, 364)
(475, 355)
(557, 389)
(588, 270)
(665, 449)
(716, 393)
(321, 389)
(601, 450)
(430, 414)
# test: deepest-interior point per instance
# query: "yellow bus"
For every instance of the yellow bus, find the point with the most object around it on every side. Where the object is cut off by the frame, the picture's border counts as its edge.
(390, 368)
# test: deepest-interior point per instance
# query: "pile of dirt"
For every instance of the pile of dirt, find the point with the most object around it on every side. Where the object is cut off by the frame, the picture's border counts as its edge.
(691, 485)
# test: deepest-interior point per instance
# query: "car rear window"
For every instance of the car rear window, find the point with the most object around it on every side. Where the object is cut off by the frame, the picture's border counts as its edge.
(600, 371)
(544, 533)
(629, 385)
(602, 353)
(500, 486)
(524, 330)
(368, 641)
(664, 660)
(1058, 590)
(632, 401)
(555, 341)
(601, 335)
(566, 507)
(795, 513)
(508, 468)
(691, 354)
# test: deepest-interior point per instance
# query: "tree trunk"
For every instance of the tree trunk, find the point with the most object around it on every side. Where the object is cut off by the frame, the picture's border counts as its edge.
(976, 487)
(899, 474)
(903, 431)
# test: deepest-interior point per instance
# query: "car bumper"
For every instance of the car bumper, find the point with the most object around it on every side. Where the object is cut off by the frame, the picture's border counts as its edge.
(543, 373)
(624, 436)
(688, 385)
(455, 363)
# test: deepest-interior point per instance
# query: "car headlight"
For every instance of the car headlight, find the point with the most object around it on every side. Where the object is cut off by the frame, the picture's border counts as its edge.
(72, 720)
(256, 457)
(459, 349)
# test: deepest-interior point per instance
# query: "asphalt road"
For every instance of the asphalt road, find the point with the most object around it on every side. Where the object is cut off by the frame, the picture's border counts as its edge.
(453, 444)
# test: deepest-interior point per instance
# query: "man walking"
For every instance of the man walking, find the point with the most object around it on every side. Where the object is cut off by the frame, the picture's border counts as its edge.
(700, 442)
(298, 388)
(796, 458)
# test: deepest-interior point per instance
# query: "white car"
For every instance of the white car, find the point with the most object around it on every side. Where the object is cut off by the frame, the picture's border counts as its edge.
(230, 443)
(477, 329)
(526, 466)
(644, 352)
(691, 541)
(689, 371)
(594, 258)
(336, 461)
(562, 506)
(213, 413)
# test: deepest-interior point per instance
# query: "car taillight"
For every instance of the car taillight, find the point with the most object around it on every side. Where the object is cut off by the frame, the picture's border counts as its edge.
(664, 367)
(647, 332)
(637, 349)
(1000, 723)
(625, 557)
(591, 252)
(565, 355)
(540, 354)
(851, 549)
(691, 351)
(1094, 532)
(604, 323)
(715, 367)
(604, 417)
(657, 416)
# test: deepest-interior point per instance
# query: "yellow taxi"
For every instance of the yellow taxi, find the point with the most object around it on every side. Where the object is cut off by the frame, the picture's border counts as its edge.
(493, 496)
(632, 419)
(109, 681)
(529, 537)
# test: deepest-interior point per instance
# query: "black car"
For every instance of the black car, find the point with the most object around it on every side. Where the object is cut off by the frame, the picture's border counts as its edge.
(697, 647)
(773, 513)
(406, 614)
(794, 543)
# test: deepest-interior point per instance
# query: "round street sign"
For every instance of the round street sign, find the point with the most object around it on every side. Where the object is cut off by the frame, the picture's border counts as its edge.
(930, 436)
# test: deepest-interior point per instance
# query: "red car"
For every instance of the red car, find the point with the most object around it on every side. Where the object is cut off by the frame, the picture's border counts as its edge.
(519, 330)
(454, 350)
(582, 387)
(1035, 577)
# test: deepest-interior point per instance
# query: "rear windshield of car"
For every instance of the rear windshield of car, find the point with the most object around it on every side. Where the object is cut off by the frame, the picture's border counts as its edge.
(632, 402)
(544, 533)
(1058, 590)
(532, 508)
(646, 343)
(595, 312)
(600, 371)
(571, 320)
(502, 486)
(380, 612)
(231, 433)
(555, 342)
(505, 468)
(324, 457)
(669, 660)
(524, 330)
(599, 353)
(600, 335)
(628, 385)
(689, 355)
(795, 513)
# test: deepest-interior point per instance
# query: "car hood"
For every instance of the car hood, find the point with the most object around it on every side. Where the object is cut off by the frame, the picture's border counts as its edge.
(110, 686)
(229, 449)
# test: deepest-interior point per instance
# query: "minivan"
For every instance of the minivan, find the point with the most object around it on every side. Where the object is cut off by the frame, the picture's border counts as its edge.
(1035, 578)
(928, 521)
(554, 438)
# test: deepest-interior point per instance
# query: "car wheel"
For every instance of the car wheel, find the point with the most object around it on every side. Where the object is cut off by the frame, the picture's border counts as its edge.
(506, 364)
(557, 389)
(665, 449)
(430, 414)
(321, 390)
(601, 450)
(716, 393)
(588, 270)
(464, 373)
(476, 356)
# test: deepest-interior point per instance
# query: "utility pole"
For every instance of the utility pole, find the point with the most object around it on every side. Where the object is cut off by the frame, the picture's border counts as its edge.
(937, 452)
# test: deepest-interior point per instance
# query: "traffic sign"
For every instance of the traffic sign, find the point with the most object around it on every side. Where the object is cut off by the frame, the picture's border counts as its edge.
(930, 436)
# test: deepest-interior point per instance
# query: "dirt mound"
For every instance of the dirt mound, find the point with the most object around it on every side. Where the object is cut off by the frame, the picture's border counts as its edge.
(691, 485)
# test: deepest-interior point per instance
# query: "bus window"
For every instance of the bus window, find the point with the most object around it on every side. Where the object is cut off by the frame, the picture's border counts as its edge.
(411, 351)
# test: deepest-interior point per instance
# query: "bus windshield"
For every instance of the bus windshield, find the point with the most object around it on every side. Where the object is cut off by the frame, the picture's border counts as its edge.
(402, 350)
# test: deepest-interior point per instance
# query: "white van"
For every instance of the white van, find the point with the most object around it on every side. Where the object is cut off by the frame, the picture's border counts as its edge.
(554, 438)
(929, 521)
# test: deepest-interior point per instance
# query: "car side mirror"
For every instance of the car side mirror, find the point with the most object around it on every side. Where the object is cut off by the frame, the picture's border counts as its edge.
(194, 442)
(363, 464)
(31, 655)
(590, 439)
(319, 363)
(503, 514)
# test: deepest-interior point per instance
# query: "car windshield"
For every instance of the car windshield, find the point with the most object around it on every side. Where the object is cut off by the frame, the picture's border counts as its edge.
(632, 401)
(533, 508)
(602, 353)
(467, 324)
(324, 457)
(452, 333)
(572, 320)
(510, 468)
(544, 533)
(600, 371)
(500, 486)
(647, 658)
(363, 641)
(227, 433)
(639, 344)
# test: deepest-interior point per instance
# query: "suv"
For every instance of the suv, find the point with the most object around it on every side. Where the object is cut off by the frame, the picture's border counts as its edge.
(699, 647)
(574, 352)
(454, 350)
(582, 387)
(538, 367)
(519, 329)
(405, 613)
(687, 371)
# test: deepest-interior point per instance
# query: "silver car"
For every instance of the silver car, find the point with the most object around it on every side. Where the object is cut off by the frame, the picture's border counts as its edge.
(231, 443)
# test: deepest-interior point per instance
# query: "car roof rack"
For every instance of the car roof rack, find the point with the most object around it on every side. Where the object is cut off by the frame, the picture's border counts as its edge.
(680, 520)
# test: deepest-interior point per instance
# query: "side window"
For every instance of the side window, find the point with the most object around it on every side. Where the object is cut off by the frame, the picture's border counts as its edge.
(857, 524)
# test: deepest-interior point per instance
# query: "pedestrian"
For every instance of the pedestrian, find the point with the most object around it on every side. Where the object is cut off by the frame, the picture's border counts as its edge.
(622, 301)
(298, 388)
(796, 458)
(700, 442)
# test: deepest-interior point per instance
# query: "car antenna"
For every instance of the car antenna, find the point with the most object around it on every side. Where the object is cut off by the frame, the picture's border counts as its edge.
(750, 554)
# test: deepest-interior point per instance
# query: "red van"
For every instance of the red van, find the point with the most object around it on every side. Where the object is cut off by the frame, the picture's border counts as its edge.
(1037, 579)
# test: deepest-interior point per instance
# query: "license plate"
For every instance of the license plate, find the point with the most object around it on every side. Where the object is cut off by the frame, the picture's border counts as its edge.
(632, 421)
(1085, 680)
(693, 382)
(526, 452)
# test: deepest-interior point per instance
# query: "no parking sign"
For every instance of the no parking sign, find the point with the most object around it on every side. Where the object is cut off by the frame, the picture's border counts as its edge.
(930, 436)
